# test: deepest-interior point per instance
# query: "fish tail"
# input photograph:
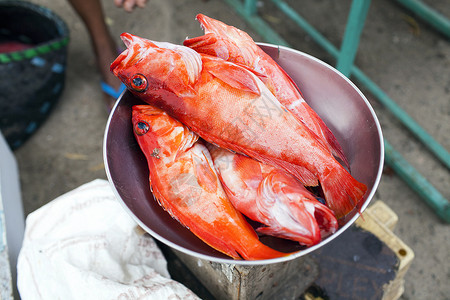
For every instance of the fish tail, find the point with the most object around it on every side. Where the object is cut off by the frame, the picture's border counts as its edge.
(342, 191)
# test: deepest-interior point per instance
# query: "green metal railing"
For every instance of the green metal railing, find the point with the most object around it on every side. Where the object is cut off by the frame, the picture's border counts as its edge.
(431, 16)
(345, 64)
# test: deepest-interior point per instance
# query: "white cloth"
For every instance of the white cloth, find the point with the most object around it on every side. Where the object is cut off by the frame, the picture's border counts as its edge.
(83, 245)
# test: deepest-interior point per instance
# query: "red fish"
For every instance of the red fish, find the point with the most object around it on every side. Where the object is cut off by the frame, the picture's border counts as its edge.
(274, 198)
(183, 180)
(229, 106)
(235, 45)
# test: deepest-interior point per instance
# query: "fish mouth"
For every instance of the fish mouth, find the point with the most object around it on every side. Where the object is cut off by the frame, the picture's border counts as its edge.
(203, 20)
(127, 38)
(201, 41)
(209, 25)
(127, 55)
(118, 61)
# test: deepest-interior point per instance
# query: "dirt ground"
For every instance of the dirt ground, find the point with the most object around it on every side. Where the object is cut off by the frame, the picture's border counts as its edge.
(409, 60)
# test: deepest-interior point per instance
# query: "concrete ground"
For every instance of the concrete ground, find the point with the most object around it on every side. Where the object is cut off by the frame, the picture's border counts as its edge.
(405, 57)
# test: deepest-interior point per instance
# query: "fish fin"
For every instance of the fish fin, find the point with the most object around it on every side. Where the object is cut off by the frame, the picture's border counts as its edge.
(342, 191)
(288, 78)
(301, 173)
(204, 170)
(248, 169)
(233, 75)
(189, 140)
(207, 44)
(291, 187)
(269, 231)
(336, 148)
(209, 238)
(331, 142)
(260, 75)
(307, 240)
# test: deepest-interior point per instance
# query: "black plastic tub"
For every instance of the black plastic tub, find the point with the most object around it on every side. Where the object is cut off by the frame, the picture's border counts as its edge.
(31, 79)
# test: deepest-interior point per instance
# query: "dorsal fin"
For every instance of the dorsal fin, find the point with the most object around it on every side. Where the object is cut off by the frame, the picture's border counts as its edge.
(232, 74)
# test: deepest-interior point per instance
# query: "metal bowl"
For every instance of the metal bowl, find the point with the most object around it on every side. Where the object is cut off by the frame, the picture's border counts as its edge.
(335, 98)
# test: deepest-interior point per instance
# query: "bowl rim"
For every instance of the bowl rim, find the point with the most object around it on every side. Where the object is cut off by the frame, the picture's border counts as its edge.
(289, 257)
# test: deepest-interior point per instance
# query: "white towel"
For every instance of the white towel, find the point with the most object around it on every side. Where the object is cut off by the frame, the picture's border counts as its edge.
(83, 245)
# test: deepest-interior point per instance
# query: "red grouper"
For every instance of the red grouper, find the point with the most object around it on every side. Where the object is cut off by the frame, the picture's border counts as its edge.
(185, 183)
(229, 106)
(274, 198)
(235, 45)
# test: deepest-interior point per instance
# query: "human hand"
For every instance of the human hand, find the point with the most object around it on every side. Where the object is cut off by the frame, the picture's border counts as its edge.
(129, 5)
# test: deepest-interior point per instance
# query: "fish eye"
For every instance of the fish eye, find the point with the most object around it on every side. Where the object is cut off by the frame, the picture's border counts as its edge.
(139, 83)
(141, 128)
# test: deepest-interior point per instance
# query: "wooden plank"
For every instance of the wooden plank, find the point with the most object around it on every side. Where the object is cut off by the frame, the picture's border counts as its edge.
(372, 221)
(382, 214)
(356, 265)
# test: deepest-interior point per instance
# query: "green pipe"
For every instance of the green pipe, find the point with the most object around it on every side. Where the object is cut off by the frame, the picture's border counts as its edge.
(434, 18)
(260, 27)
(310, 30)
(250, 7)
(417, 183)
(350, 41)
(429, 142)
